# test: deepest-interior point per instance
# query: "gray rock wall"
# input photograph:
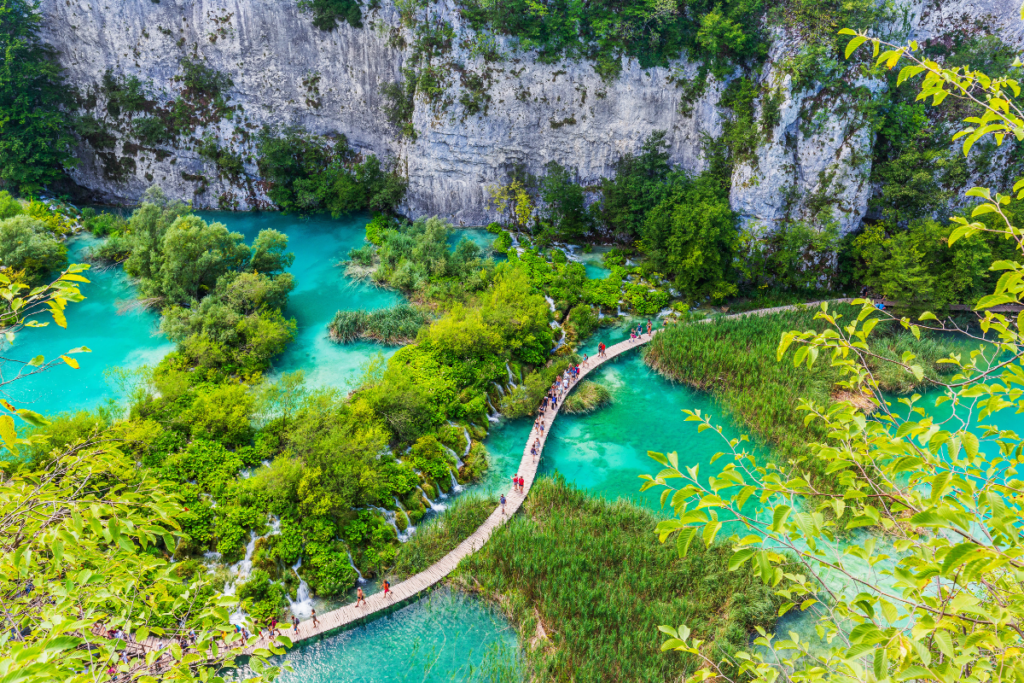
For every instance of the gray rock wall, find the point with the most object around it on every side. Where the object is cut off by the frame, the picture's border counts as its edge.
(537, 113)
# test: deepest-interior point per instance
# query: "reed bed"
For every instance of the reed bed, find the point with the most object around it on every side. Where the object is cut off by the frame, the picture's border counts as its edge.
(586, 398)
(395, 325)
(735, 361)
(587, 584)
(439, 536)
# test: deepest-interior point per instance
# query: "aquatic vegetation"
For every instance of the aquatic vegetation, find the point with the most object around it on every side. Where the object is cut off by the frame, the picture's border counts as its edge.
(586, 398)
(587, 584)
(397, 325)
(735, 360)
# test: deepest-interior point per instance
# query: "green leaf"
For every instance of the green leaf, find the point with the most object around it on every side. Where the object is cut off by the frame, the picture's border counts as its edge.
(854, 43)
(739, 558)
(33, 418)
(944, 643)
(779, 517)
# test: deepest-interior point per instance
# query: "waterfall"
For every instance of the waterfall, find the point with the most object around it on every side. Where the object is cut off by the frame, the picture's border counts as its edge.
(469, 443)
(456, 487)
(559, 343)
(389, 515)
(511, 378)
(494, 416)
(359, 574)
(458, 460)
(551, 302)
(409, 528)
(501, 389)
(302, 605)
(436, 507)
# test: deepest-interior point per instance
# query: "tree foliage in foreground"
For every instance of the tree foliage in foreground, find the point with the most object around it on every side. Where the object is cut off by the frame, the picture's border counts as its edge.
(85, 542)
(912, 568)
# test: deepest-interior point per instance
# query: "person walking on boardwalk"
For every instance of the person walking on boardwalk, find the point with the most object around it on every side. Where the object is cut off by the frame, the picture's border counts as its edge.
(387, 588)
(315, 622)
(503, 504)
(515, 481)
(585, 359)
(360, 597)
(600, 350)
(295, 623)
(649, 328)
(522, 484)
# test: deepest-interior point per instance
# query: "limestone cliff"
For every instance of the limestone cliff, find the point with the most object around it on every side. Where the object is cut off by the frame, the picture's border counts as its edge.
(287, 72)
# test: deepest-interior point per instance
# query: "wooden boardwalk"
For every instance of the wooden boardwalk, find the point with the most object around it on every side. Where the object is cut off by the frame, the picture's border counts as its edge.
(349, 614)
(414, 585)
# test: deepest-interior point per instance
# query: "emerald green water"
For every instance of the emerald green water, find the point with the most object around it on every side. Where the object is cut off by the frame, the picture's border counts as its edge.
(321, 289)
(443, 637)
(130, 339)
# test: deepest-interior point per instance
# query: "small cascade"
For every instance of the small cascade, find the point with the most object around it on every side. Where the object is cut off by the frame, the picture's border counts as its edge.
(436, 507)
(559, 343)
(456, 486)
(359, 575)
(664, 312)
(618, 310)
(409, 528)
(511, 377)
(458, 460)
(494, 416)
(389, 515)
(501, 389)
(469, 443)
(302, 605)
(551, 302)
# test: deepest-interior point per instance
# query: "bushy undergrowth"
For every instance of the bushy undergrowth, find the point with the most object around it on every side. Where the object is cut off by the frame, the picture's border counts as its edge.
(441, 535)
(396, 325)
(595, 575)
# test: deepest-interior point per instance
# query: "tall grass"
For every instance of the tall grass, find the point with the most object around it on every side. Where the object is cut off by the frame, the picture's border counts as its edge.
(396, 325)
(586, 398)
(594, 575)
(439, 536)
(734, 360)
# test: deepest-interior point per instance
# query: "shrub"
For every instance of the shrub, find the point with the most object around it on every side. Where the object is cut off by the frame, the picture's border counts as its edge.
(25, 244)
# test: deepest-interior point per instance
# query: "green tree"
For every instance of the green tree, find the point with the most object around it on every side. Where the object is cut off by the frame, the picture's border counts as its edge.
(692, 234)
(269, 253)
(637, 187)
(26, 245)
(35, 138)
(564, 202)
(195, 254)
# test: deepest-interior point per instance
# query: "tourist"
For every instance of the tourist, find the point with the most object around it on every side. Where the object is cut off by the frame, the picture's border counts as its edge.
(649, 328)
(360, 597)
(585, 359)
(632, 336)
(600, 350)
(295, 623)
(315, 622)
(503, 504)
(522, 485)
(274, 630)
(515, 481)
(387, 588)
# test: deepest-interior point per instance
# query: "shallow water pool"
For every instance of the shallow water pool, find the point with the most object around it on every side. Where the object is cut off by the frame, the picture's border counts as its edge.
(445, 636)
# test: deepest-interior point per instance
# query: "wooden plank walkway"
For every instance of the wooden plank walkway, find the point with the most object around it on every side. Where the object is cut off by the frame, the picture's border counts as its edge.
(349, 614)
(414, 585)
(343, 616)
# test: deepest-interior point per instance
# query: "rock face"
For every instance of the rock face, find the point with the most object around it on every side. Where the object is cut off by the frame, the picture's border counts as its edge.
(287, 72)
